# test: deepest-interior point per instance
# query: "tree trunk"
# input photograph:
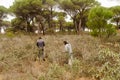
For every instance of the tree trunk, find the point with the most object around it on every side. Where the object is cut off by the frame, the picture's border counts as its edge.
(43, 29)
(28, 26)
(42, 26)
(80, 26)
(75, 25)
(117, 23)
(39, 27)
(51, 14)
(33, 24)
(61, 29)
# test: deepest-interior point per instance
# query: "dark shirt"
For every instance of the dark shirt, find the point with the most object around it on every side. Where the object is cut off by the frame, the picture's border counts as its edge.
(40, 43)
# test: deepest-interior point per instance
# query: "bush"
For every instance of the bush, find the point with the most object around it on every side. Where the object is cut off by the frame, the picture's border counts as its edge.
(55, 72)
(94, 33)
(105, 33)
(77, 67)
(10, 34)
(107, 65)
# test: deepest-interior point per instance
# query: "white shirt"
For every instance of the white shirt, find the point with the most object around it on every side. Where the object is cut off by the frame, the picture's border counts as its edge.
(68, 48)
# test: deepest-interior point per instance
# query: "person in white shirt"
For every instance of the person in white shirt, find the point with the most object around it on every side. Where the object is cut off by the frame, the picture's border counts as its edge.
(68, 49)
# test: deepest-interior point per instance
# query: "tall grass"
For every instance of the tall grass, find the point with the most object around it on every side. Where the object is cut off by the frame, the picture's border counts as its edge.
(17, 58)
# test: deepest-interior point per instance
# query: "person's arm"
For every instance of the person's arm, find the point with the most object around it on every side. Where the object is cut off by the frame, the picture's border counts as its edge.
(43, 43)
(37, 44)
(66, 48)
(70, 48)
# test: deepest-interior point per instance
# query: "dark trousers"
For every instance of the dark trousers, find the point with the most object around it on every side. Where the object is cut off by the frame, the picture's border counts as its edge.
(40, 54)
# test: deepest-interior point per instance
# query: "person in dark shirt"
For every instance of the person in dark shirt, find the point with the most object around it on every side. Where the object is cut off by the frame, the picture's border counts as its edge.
(41, 44)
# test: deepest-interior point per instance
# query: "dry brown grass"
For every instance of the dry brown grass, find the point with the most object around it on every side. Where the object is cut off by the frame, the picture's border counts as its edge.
(17, 56)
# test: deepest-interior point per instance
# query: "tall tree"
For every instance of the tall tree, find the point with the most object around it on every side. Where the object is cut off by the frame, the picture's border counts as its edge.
(98, 22)
(78, 10)
(116, 17)
(82, 7)
(49, 7)
(27, 10)
(70, 10)
(18, 24)
(40, 20)
(61, 19)
(3, 14)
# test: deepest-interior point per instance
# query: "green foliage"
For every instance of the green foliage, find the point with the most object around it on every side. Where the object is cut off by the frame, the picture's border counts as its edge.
(94, 32)
(10, 34)
(27, 10)
(42, 78)
(107, 63)
(78, 11)
(3, 14)
(55, 72)
(6, 23)
(18, 24)
(50, 31)
(50, 3)
(116, 10)
(61, 20)
(100, 17)
(116, 15)
(111, 30)
(77, 67)
(69, 26)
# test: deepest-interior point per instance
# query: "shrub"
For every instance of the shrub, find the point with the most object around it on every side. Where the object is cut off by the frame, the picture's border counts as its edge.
(108, 65)
(98, 22)
(76, 67)
(10, 34)
(55, 72)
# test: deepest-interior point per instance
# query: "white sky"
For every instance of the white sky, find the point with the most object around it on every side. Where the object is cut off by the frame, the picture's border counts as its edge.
(6, 3)
(106, 3)
(109, 3)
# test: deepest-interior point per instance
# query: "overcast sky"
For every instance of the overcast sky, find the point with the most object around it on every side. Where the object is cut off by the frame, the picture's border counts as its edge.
(105, 3)
(6, 3)
(109, 3)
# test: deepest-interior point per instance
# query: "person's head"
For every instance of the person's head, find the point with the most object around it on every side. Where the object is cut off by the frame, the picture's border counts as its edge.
(65, 42)
(40, 37)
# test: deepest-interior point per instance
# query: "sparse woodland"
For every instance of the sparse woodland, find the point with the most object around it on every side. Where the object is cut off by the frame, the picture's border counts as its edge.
(95, 52)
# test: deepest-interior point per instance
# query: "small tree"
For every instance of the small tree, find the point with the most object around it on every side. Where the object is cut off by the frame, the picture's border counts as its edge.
(98, 22)
(18, 24)
(3, 14)
(27, 10)
(116, 13)
(61, 20)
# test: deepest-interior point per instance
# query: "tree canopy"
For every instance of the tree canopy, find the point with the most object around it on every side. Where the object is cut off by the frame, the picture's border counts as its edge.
(98, 21)
(3, 14)
(27, 10)
(45, 15)
(116, 15)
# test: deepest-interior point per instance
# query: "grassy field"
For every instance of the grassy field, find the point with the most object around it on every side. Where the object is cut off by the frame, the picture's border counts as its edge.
(17, 58)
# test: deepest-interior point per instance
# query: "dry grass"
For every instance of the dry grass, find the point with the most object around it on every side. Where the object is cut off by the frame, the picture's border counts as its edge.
(17, 57)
